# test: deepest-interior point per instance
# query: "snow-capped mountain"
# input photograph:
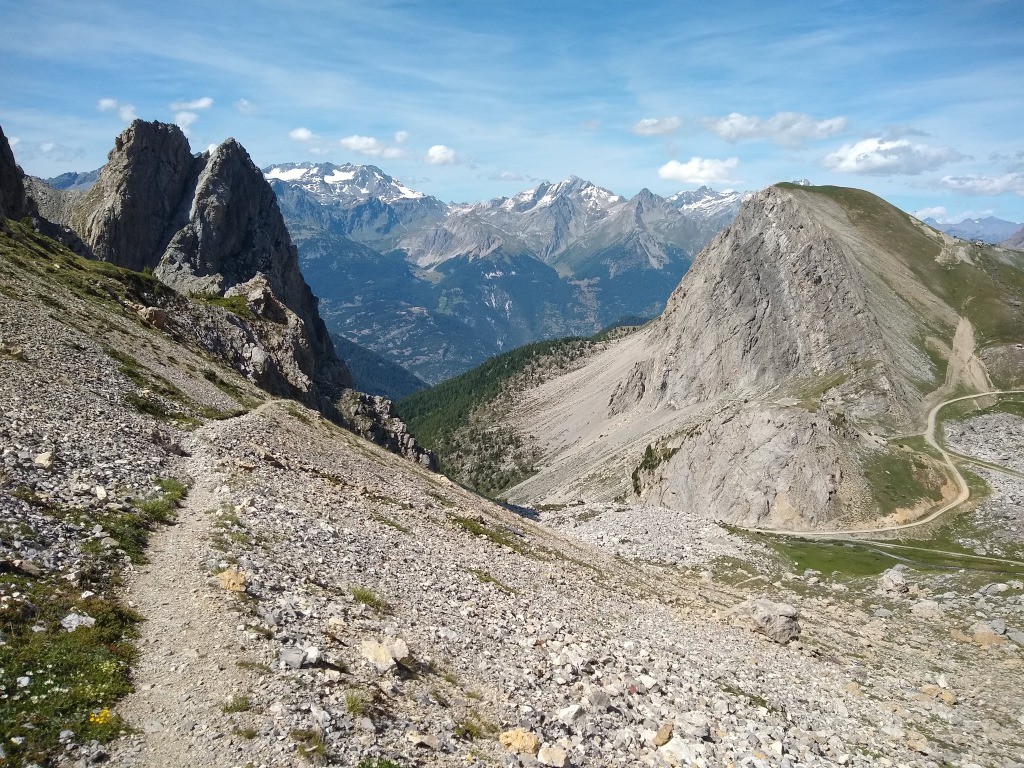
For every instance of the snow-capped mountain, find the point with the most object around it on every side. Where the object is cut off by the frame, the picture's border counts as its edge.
(708, 205)
(358, 201)
(551, 216)
(438, 288)
(343, 184)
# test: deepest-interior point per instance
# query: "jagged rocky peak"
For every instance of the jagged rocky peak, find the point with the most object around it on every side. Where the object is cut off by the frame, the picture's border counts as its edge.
(124, 217)
(13, 202)
(210, 223)
(775, 295)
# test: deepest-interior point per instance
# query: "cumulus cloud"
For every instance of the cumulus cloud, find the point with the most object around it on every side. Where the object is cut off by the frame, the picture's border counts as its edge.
(374, 147)
(245, 107)
(657, 126)
(204, 102)
(699, 170)
(439, 154)
(790, 129)
(124, 111)
(368, 145)
(185, 119)
(401, 137)
(985, 185)
(301, 134)
(883, 157)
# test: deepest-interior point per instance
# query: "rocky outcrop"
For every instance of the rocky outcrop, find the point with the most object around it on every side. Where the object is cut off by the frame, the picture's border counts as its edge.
(1016, 240)
(13, 202)
(374, 418)
(129, 214)
(209, 225)
(771, 467)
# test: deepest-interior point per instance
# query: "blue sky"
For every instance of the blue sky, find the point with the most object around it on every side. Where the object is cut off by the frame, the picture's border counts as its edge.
(919, 102)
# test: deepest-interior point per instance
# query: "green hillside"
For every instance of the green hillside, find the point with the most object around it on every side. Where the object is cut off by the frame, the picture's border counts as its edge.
(461, 419)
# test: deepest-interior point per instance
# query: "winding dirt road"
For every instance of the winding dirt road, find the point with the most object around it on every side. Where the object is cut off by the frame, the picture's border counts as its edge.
(929, 436)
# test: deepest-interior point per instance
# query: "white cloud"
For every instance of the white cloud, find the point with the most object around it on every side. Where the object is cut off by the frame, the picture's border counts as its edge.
(319, 151)
(401, 137)
(374, 147)
(439, 154)
(368, 145)
(245, 107)
(204, 102)
(657, 126)
(937, 212)
(699, 170)
(508, 176)
(883, 157)
(124, 111)
(300, 134)
(985, 185)
(47, 146)
(185, 119)
(13, 141)
(790, 129)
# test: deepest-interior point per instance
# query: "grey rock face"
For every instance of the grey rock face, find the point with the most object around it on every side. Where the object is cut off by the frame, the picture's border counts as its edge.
(210, 224)
(792, 469)
(1016, 240)
(374, 418)
(775, 295)
(129, 214)
(13, 203)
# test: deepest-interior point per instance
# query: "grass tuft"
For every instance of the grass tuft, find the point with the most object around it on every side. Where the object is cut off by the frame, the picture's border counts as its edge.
(370, 599)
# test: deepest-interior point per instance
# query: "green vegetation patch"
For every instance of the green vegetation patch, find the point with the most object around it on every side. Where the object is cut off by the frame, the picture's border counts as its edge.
(987, 290)
(485, 577)
(900, 479)
(94, 281)
(370, 599)
(236, 305)
(500, 536)
(54, 679)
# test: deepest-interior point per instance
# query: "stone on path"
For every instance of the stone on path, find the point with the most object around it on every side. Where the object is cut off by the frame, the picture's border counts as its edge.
(520, 741)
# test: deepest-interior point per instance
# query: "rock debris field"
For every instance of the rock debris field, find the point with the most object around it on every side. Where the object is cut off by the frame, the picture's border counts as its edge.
(318, 600)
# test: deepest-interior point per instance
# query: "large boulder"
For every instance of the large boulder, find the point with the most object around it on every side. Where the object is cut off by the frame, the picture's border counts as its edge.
(778, 621)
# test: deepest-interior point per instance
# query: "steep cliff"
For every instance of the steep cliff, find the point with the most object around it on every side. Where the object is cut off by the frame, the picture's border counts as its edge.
(13, 202)
(209, 225)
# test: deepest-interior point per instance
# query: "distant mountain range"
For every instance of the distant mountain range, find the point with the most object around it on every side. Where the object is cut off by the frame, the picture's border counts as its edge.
(988, 229)
(440, 287)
